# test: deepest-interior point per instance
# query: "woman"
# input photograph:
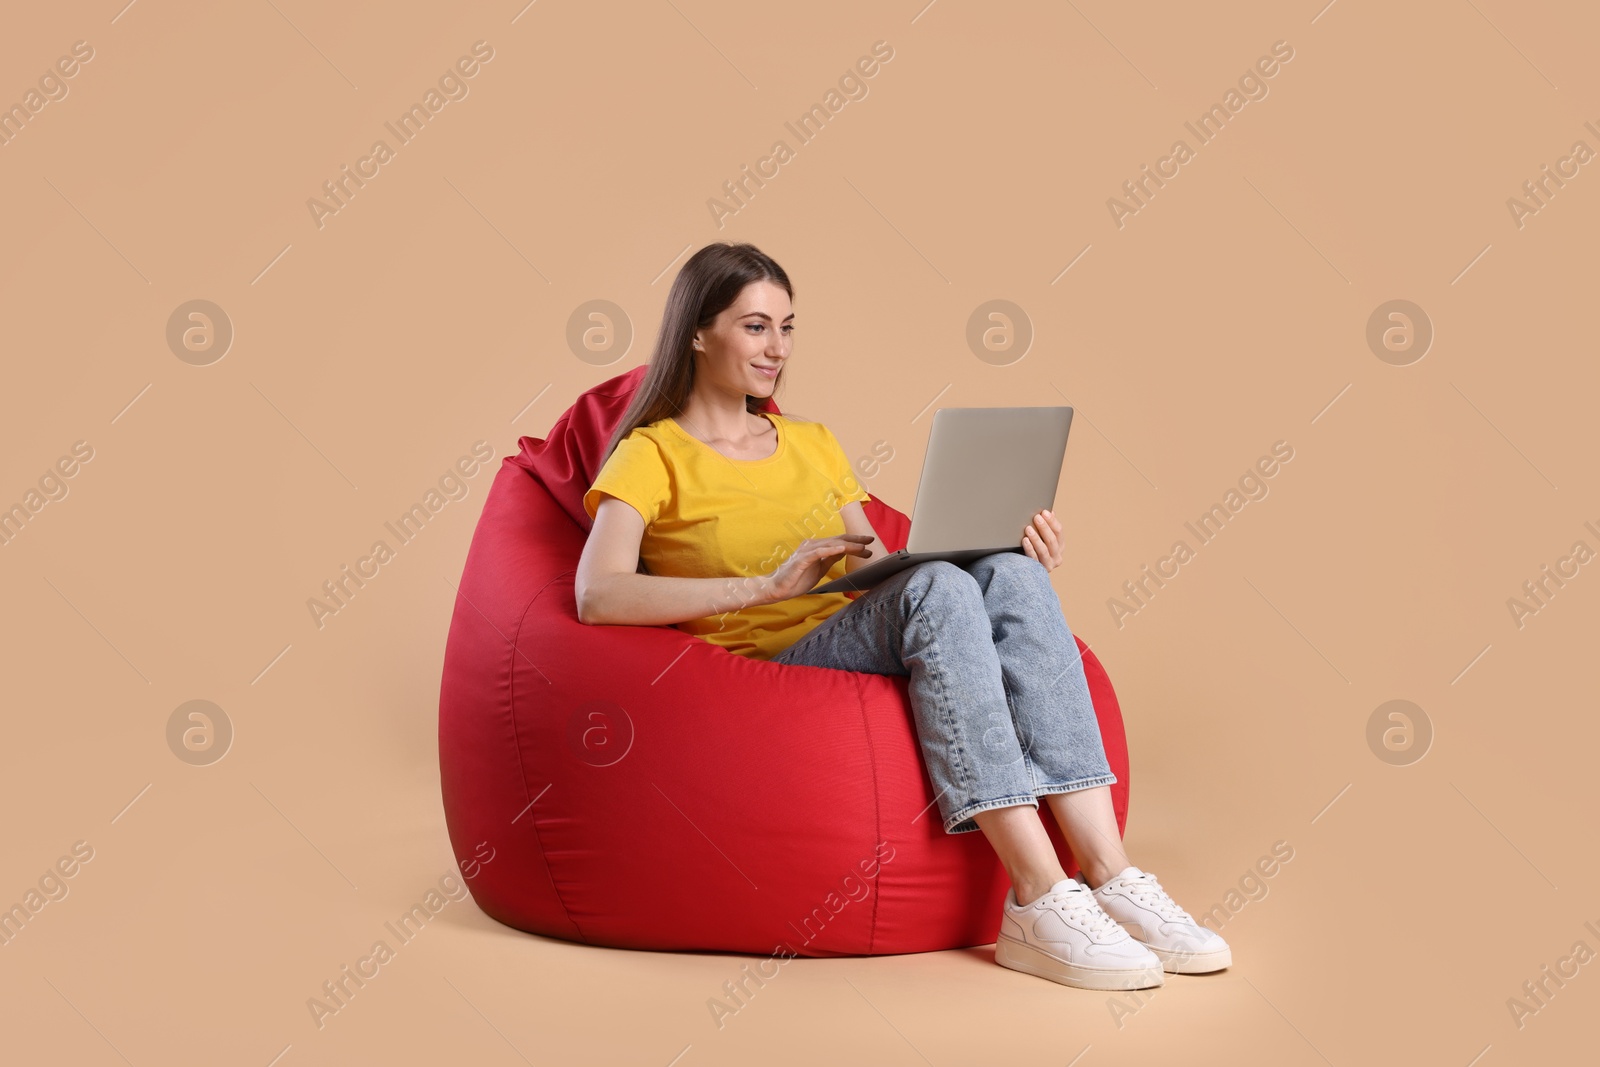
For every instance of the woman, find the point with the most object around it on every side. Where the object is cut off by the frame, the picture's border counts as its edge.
(719, 519)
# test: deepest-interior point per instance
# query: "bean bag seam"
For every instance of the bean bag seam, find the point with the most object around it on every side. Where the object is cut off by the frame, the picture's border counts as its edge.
(877, 813)
(516, 638)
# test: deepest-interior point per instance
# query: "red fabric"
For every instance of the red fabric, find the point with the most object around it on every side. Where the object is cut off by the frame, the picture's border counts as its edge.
(747, 806)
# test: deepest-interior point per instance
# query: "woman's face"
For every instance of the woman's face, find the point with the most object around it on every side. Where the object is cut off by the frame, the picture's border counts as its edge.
(749, 339)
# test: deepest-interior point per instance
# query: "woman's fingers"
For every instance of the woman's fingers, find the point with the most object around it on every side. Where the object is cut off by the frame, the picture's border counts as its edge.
(829, 554)
(1048, 527)
(1040, 542)
(846, 544)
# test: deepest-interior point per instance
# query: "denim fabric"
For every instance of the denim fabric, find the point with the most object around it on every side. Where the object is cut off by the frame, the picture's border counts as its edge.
(998, 695)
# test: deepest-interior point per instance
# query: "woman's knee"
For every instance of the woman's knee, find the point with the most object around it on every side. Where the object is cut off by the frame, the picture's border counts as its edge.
(1012, 582)
(1010, 568)
(941, 571)
(941, 582)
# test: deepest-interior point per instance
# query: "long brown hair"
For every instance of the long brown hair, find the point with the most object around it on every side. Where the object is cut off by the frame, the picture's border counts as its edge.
(707, 285)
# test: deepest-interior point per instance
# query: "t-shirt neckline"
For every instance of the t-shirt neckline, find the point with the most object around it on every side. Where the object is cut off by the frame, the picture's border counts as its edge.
(777, 453)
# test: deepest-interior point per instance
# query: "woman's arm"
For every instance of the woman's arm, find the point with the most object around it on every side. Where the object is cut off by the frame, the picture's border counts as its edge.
(856, 522)
(610, 590)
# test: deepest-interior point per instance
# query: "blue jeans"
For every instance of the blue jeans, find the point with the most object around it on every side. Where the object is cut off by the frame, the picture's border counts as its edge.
(998, 695)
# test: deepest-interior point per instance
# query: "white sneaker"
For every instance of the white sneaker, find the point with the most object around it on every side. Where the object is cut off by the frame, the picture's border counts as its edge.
(1065, 936)
(1136, 900)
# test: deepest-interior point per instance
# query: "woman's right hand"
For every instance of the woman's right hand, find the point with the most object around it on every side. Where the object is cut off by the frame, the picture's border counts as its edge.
(810, 563)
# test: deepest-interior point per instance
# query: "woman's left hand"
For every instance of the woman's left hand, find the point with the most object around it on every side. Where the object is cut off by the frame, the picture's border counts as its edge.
(1042, 541)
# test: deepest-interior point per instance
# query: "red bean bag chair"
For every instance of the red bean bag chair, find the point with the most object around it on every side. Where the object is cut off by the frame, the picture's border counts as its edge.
(638, 787)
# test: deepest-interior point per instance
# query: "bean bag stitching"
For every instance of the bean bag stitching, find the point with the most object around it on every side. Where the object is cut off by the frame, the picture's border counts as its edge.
(877, 815)
(1093, 666)
(544, 855)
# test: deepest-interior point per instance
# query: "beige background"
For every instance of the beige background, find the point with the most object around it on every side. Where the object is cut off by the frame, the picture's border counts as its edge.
(431, 312)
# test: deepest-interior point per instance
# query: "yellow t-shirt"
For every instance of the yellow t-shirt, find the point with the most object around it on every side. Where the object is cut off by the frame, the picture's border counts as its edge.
(710, 516)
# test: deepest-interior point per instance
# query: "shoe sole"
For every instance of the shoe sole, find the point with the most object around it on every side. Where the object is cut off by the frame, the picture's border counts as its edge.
(1020, 957)
(1177, 962)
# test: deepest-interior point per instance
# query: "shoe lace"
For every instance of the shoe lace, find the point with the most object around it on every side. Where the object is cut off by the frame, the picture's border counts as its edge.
(1079, 907)
(1148, 892)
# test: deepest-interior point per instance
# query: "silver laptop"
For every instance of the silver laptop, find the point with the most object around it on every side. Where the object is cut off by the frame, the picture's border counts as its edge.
(986, 473)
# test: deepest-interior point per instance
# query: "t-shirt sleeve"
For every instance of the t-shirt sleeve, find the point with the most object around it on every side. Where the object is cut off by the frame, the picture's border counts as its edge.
(844, 475)
(634, 473)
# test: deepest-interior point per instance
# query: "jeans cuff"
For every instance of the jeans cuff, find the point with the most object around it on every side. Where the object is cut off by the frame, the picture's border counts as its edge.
(1073, 787)
(962, 822)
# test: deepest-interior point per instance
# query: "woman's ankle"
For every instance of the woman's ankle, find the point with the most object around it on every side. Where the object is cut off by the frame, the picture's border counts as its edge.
(1029, 889)
(1098, 872)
